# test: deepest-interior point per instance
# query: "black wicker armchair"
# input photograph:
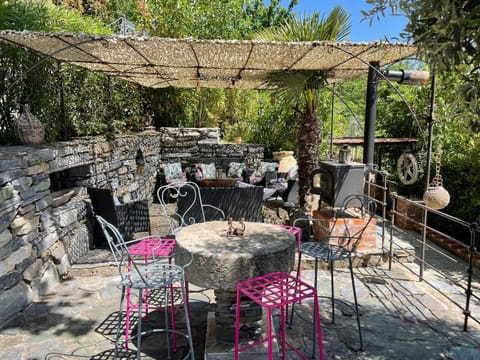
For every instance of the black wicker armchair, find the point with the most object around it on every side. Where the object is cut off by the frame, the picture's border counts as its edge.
(129, 218)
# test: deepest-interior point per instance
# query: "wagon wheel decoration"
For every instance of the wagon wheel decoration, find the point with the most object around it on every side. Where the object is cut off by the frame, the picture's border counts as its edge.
(407, 168)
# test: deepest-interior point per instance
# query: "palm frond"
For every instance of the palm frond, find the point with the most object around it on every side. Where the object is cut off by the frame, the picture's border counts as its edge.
(289, 85)
(335, 27)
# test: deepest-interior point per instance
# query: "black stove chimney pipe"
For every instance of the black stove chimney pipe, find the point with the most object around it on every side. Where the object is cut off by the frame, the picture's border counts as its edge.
(370, 114)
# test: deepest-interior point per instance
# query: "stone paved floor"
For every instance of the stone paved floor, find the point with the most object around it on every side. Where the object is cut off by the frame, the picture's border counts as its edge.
(402, 318)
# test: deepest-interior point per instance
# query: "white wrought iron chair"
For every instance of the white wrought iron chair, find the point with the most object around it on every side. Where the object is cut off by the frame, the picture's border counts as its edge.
(157, 274)
(190, 208)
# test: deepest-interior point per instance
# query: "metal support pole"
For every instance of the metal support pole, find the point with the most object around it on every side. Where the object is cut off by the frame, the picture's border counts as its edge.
(474, 227)
(392, 225)
(332, 122)
(370, 114)
(431, 120)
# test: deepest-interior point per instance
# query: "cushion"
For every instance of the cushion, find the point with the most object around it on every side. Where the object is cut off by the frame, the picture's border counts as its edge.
(255, 178)
(235, 170)
(266, 166)
(292, 172)
(262, 168)
(208, 170)
(173, 171)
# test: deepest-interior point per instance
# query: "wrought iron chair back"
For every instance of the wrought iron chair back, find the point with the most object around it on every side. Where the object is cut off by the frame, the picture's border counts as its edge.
(122, 257)
(190, 207)
(350, 223)
(119, 249)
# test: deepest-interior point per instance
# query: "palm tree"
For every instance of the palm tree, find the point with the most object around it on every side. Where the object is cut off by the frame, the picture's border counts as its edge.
(299, 87)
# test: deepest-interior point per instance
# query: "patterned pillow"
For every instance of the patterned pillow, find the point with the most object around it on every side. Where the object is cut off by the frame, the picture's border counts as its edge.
(208, 170)
(292, 172)
(173, 171)
(235, 170)
(266, 166)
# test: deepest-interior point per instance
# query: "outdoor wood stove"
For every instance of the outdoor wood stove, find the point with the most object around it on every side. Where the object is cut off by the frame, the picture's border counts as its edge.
(334, 181)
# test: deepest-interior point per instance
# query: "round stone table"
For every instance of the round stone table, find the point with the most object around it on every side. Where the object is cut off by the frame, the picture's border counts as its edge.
(220, 261)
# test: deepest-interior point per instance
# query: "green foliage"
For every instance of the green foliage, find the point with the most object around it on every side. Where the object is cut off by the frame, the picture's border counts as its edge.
(204, 19)
(299, 88)
(349, 108)
(446, 33)
(16, 83)
(335, 27)
(62, 20)
(289, 85)
(268, 122)
(40, 15)
(42, 83)
(23, 15)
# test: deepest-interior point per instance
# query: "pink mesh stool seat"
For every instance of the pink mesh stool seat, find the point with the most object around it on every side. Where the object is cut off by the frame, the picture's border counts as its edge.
(153, 246)
(147, 247)
(276, 291)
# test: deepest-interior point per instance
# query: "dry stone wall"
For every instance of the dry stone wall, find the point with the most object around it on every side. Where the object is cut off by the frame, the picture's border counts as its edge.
(45, 213)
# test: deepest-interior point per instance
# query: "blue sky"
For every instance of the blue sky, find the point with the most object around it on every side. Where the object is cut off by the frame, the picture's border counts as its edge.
(389, 26)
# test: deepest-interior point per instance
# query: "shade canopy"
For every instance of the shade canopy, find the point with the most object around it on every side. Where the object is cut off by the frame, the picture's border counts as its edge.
(188, 63)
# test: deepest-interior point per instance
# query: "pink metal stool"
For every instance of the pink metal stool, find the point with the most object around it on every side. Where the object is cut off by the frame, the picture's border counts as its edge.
(156, 247)
(276, 291)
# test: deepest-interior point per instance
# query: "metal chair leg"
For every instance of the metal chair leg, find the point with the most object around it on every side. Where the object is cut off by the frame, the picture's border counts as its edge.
(165, 313)
(314, 318)
(332, 289)
(356, 304)
(186, 309)
(119, 323)
(290, 323)
(139, 326)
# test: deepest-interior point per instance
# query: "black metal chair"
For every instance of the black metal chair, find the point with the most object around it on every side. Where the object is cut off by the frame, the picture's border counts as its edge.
(128, 218)
(341, 243)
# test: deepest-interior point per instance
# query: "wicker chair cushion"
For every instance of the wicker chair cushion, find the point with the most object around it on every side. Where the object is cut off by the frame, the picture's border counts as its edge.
(173, 171)
(208, 170)
(235, 170)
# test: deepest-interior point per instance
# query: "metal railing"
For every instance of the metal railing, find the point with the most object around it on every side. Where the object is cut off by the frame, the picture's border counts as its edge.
(469, 245)
(375, 185)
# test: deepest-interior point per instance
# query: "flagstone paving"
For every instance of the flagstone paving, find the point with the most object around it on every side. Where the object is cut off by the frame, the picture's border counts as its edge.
(402, 318)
